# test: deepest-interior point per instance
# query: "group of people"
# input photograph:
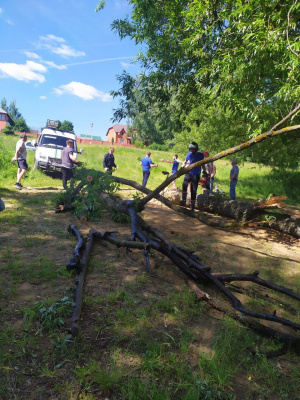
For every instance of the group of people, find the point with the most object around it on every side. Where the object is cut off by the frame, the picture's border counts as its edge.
(192, 178)
(68, 161)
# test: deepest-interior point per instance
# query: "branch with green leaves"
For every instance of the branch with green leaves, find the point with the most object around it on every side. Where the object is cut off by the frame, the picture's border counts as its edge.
(184, 170)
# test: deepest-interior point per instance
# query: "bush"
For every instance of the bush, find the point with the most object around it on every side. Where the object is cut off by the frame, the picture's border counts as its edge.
(138, 144)
(8, 130)
(157, 146)
(7, 168)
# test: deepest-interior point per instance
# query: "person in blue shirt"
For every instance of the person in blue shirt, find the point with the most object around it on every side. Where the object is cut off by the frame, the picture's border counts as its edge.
(147, 164)
(192, 176)
(234, 175)
(175, 165)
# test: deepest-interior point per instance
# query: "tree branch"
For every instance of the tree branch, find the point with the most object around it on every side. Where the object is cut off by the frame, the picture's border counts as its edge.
(258, 139)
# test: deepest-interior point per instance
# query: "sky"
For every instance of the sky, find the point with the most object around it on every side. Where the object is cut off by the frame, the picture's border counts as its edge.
(59, 60)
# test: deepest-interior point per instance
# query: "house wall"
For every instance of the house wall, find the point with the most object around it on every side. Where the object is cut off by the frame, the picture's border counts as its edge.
(111, 134)
(3, 120)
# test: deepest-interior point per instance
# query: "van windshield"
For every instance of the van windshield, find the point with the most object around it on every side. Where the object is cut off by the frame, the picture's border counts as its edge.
(57, 141)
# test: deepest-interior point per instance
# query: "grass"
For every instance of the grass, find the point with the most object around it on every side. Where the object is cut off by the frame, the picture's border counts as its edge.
(141, 339)
(255, 181)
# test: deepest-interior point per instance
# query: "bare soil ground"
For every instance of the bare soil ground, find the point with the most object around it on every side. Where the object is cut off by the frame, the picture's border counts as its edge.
(41, 234)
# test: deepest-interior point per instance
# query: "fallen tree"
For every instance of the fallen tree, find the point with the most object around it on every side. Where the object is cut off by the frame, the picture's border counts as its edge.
(191, 265)
(254, 212)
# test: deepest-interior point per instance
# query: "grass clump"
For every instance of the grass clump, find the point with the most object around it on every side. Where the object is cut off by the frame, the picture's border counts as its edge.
(48, 318)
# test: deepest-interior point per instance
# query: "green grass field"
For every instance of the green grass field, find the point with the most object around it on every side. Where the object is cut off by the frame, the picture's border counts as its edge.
(255, 181)
(144, 336)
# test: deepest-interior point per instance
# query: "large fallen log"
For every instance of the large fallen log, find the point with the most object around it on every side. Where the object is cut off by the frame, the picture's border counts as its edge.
(246, 211)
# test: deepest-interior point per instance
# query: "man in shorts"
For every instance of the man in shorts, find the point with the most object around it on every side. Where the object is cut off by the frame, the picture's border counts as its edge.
(20, 157)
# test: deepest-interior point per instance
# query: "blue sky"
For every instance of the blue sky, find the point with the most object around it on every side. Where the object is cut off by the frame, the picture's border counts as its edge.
(59, 60)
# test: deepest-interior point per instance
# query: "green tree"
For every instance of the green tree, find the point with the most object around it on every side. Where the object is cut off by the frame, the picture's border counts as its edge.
(20, 125)
(66, 126)
(8, 130)
(17, 119)
(240, 56)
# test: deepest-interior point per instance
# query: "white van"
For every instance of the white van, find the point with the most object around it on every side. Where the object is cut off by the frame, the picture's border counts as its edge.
(49, 148)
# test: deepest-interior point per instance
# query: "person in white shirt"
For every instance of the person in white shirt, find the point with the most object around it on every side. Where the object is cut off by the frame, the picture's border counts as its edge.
(20, 157)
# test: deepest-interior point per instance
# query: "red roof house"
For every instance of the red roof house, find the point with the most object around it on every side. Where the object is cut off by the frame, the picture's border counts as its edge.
(118, 134)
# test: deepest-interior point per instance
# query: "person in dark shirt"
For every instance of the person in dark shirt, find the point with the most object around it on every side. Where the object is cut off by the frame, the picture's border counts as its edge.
(67, 162)
(109, 160)
(192, 176)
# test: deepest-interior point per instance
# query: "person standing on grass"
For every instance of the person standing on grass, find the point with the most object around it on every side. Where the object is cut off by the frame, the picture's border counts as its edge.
(211, 172)
(147, 164)
(234, 174)
(193, 176)
(67, 162)
(20, 157)
(109, 160)
(175, 165)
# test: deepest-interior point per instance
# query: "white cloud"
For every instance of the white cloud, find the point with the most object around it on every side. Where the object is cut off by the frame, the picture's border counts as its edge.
(125, 65)
(43, 97)
(29, 54)
(52, 38)
(56, 45)
(31, 71)
(53, 65)
(66, 51)
(9, 21)
(85, 92)
(1, 10)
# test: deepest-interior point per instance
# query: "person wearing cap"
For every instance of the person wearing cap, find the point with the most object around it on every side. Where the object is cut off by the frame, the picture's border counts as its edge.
(147, 164)
(234, 174)
(193, 176)
(20, 157)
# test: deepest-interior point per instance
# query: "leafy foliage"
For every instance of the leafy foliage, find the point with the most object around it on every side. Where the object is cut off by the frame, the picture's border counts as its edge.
(66, 126)
(87, 202)
(16, 117)
(236, 60)
(49, 318)
(8, 130)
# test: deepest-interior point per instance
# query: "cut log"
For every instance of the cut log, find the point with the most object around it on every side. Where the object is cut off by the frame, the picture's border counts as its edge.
(245, 211)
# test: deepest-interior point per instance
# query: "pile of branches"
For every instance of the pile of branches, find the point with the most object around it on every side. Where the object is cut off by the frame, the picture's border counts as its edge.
(190, 265)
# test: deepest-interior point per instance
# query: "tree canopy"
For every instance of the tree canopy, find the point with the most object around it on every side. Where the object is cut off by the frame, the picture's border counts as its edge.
(236, 60)
(66, 126)
(17, 119)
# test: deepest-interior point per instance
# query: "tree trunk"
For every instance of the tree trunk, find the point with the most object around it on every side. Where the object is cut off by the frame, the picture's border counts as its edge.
(245, 211)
